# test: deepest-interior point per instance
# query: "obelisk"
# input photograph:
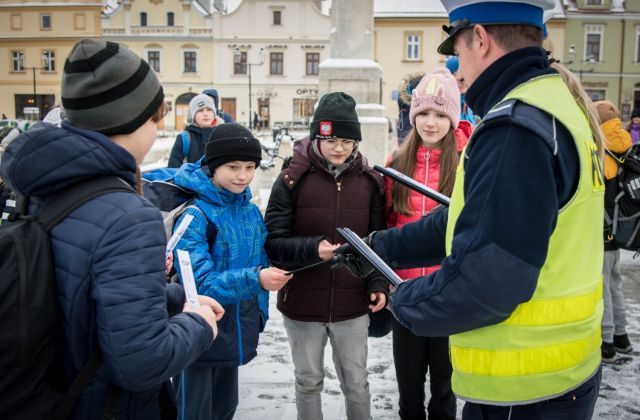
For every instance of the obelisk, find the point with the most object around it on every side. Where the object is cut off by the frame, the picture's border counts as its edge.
(351, 69)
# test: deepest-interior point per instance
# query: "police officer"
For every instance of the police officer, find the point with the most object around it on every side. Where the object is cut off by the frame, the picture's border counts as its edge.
(520, 288)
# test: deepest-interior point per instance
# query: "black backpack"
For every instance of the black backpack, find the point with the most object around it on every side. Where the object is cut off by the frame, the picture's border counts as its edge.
(32, 384)
(622, 213)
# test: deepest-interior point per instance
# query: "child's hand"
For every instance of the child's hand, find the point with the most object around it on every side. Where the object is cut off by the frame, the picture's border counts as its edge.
(168, 264)
(217, 309)
(273, 278)
(205, 312)
(325, 249)
(378, 301)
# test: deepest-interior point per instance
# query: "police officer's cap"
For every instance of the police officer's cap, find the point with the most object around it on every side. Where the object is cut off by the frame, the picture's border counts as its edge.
(466, 13)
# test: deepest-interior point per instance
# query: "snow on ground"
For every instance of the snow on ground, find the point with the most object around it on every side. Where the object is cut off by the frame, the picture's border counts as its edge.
(267, 383)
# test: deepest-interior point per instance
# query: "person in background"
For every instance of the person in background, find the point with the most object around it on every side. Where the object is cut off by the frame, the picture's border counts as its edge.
(326, 185)
(216, 99)
(109, 253)
(189, 145)
(429, 155)
(614, 322)
(633, 126)
(225, 241)
(409, 82)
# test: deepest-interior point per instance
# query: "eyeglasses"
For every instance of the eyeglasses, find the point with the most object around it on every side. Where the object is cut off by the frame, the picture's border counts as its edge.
(333, 142)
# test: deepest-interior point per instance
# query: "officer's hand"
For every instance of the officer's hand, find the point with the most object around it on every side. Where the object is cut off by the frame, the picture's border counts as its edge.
(346, 257)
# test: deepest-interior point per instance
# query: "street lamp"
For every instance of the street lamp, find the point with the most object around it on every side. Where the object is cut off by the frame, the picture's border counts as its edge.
(237, 59)
(33, 71)
(571, 55)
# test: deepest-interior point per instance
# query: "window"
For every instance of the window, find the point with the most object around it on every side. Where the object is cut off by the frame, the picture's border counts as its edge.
(240, 64)
(277, 17)
(170, 19)
(412, 51)
(45, 22)
(190, 61)
(594, 2)
(313, 64)
(303, 109)
(637, 44)
(277, 61)
(596, 94)
(79, 21)
(153, 58)
(143, 19)
(49, 60)
(16, 22)
(17, 60)
(593, 40)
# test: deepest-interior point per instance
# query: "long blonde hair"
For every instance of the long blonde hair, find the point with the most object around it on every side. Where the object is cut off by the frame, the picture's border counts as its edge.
(404, 160)
(584, 102)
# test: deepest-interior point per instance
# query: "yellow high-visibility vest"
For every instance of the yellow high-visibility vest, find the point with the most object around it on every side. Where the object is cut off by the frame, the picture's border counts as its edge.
(550, 344)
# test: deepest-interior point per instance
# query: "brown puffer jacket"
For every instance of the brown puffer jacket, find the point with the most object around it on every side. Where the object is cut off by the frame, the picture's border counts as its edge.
(306, 205)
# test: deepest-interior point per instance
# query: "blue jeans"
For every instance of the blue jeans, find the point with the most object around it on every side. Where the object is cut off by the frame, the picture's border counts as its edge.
(577, 404)
(204, 392)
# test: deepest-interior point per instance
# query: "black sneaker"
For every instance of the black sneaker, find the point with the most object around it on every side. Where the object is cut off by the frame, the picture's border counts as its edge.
(608, 352)
(622, 343)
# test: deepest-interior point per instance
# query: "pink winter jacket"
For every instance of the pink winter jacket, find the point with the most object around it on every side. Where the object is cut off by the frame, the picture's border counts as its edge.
(427, 172)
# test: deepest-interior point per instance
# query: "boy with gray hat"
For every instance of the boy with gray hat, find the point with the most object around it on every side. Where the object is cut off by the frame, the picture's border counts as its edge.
(108, 254)
(519, 290)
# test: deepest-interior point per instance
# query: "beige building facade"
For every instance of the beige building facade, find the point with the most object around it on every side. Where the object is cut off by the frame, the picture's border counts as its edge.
(407, 34)
(35, 39)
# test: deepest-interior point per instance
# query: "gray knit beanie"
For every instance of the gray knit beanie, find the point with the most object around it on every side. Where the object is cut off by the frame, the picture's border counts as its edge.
(199, 102)
(107, 88)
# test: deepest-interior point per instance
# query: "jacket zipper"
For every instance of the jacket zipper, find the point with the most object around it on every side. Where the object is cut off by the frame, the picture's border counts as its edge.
(427, 156)
(286, 292)
(339, 186)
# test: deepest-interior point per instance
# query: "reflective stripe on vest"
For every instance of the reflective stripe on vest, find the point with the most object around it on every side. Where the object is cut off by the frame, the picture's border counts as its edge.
(550, 344)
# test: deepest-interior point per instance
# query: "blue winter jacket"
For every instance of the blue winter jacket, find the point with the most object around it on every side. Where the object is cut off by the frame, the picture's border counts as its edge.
(225, 241)
(109, 264)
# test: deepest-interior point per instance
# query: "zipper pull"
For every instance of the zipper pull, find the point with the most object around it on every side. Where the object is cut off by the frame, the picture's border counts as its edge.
(427, 156)
(339, 184)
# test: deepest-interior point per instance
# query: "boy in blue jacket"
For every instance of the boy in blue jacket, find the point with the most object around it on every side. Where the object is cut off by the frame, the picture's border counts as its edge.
(225, 241)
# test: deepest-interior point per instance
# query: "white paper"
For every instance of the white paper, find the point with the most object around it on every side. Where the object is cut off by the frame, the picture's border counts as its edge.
(177, 234)
(186, 273)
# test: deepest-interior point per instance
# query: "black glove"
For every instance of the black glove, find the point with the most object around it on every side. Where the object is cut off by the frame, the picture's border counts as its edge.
(345, 256)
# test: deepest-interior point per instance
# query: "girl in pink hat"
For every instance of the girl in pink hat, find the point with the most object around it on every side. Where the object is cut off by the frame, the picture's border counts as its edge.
(430, 156)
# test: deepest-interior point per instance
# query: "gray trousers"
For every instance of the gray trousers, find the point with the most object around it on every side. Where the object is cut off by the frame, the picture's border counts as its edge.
(349, 343)
(613, 319)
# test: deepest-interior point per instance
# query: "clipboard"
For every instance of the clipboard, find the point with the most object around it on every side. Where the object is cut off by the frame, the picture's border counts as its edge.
(413, 184)
(367, 253)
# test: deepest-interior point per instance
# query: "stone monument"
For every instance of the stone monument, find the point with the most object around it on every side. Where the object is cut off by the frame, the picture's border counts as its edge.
(351, 69)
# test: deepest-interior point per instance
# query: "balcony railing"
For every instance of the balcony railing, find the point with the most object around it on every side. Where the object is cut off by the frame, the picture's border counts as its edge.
(158, 30)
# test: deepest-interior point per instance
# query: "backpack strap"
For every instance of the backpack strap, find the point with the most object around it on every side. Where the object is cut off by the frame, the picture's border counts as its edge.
(186, 143)
(58, 206)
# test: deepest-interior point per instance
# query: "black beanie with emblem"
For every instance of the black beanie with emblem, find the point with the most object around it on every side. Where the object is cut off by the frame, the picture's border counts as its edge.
(107, 88)
(336, 116)
(231, 142)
